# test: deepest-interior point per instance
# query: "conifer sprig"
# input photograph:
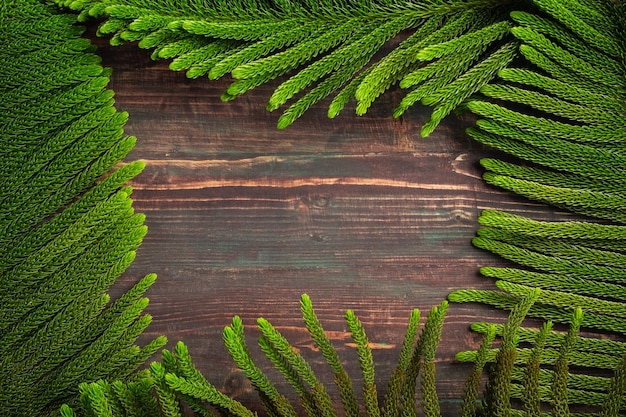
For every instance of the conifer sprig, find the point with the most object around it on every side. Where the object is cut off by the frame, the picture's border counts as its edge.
(562, 114)
(497, 394)
(561, 108)
(174, 383)
(342, 380)
(614, 401)
(295, 369)
(366, 361)
(393, 406)
(236, 346)
(555, 339)
(324, 48)
(67, 232)
(530, 398)
(471, 392)
(517, 372)
(429, 342)
(560, 406)
(555, 385)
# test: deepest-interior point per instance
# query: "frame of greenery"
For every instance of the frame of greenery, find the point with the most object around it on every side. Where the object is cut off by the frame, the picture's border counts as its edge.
(547, 80)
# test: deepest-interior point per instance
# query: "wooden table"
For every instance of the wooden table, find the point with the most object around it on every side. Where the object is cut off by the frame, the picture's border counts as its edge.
(358, 212)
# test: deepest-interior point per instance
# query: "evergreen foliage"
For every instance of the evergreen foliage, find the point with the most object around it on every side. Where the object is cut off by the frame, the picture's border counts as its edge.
(547, 80)
(565, 114)
(562, 112)
(177, 382)
(545, 377)
(318, 49)
(67, 226)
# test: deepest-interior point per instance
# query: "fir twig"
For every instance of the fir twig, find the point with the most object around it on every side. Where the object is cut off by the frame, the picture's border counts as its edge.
(497, 396)
(530, 399)
(472, 384)
(343, 382)
(366, 361)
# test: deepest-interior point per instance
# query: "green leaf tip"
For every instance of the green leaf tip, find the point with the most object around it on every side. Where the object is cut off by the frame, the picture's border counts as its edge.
(305, 300)
(284, 121)
(67, 411)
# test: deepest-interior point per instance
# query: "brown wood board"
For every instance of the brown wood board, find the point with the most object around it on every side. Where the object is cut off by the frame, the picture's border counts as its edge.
(358, 212)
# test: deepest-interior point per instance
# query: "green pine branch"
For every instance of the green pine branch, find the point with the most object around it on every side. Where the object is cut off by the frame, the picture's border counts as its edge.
(173, 384)
(68, 227)
(319, 49)
(546, 78)
(342, 380)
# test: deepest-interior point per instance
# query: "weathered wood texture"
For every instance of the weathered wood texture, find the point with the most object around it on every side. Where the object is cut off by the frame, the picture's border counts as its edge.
(358, 212)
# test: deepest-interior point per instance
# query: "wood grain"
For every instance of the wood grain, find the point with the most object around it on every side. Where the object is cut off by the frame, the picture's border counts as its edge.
(358, 212)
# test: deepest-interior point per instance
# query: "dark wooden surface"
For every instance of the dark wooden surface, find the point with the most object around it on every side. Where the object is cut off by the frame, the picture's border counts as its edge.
(358, 212)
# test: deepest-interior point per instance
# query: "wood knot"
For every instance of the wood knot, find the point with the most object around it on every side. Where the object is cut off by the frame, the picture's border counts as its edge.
(236, 384)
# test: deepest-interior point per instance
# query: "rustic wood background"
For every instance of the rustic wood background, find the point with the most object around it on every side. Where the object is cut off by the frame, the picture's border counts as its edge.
(358, 212)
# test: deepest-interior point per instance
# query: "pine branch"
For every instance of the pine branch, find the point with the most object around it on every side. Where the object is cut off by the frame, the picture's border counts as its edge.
(343, 382)
(543, 102)
(168, 402)
(505, 301)
(584, 398)
(566, 229)
(561, 45)
(79, 367)
(557, 70)
(25, 275)
(429, 340)
(236, 346)
(115, 256)
(67, 232)
(459, 29)
(472, 384)
(564, 283)
(531, 400)
(93, 397)
(295, 369)
(409, 388)
(392, 403)
(560, 405)
(327, 44)
(568, 91)
(370, 396)
(567, 16)
(30, 243)
(569, 249)
(549, 158)
(554, 339)
(178, 384)
(450, 96)
(589, 153)
(567, 59)
(387, 71)
(207, 393)
(180, 363)
(550, 357)
(593, 203)
(615, 399)
(543, 126)
(574, 380)
(498, 391)
(552, 264)
(552, 178)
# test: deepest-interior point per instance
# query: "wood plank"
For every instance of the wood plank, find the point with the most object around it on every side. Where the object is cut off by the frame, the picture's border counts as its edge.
(358, 212)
